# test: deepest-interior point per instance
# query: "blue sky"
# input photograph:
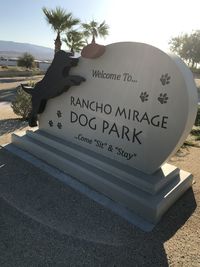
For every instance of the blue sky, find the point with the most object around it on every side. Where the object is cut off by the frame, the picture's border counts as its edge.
(148, 21)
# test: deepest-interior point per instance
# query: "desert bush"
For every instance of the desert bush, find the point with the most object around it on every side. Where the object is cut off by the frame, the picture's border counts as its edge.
(26, 60)
(21, 105)
(195, 131)
(4, 67)
(197, 121)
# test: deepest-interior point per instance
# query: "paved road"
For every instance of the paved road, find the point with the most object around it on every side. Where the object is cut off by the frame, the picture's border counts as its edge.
(8, 86)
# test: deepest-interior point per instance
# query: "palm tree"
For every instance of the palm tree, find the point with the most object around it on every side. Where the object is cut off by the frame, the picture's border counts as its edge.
(60, 21)
(74, 40)
(95, 29)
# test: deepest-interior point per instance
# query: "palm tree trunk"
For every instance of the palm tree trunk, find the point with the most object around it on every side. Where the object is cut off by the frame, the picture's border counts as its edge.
(57, 43)
(93, 39)
(72, 51)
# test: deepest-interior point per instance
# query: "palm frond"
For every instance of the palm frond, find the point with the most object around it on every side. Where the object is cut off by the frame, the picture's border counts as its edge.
(59, 19)
(74, 40)
(95, 29)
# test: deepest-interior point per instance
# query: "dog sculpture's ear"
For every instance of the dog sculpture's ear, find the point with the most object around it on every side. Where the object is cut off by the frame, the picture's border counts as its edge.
(74, 62)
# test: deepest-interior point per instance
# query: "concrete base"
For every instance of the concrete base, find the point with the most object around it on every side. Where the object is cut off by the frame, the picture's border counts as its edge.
(149, 196)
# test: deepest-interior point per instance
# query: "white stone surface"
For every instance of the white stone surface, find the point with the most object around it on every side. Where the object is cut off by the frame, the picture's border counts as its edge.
(141, 106)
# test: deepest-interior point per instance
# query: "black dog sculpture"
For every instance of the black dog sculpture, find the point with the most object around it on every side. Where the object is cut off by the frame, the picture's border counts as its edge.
(56, 81)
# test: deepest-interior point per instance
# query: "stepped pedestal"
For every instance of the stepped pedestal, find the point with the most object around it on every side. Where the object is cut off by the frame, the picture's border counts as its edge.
(149, 196)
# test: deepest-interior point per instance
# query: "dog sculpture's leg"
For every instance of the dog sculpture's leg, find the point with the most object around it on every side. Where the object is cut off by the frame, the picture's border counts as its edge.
(42, 105)
(32, 121)
(35, 110)
(76, 79)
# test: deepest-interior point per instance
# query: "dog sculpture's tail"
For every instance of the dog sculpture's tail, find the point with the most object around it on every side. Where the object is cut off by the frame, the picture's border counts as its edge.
(27, 89)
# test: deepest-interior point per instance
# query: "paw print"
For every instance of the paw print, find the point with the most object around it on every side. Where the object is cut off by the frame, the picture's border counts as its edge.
(144, 96)
(59, 114)
(51, 123)
(165, 79)
(59, 125)
(163, 98)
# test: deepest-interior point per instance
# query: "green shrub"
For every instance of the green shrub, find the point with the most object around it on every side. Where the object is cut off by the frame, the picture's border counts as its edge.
(195, 131)
(197, 138)
(26, 60)
(188, 143)
(21, 105)
(197, 121)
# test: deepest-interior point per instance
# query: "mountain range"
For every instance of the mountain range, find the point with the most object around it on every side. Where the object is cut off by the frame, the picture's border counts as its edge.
(11, 49)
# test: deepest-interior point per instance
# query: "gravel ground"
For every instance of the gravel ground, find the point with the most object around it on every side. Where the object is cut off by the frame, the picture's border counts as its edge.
(43, 223)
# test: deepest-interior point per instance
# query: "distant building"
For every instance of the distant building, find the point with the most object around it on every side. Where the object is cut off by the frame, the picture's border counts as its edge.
(42, 65)
(8, 61)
